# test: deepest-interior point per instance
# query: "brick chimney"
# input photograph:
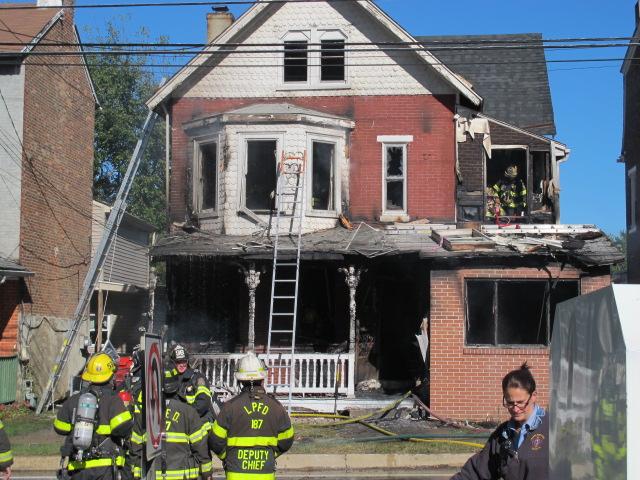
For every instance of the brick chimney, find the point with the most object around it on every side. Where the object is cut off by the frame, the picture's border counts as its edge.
(218, 21)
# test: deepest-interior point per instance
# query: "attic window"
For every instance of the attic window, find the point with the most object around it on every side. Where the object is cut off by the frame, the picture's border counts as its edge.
(332, 60)
(295, 61)
(513, 312)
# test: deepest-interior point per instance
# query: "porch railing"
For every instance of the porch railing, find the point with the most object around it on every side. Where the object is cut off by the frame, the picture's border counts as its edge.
(314, 373)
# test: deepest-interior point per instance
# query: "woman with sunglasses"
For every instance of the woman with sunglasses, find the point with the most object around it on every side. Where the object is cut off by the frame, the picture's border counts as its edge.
(519, 448)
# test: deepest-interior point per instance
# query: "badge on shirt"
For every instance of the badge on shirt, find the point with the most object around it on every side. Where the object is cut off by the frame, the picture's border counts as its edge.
(537, 441)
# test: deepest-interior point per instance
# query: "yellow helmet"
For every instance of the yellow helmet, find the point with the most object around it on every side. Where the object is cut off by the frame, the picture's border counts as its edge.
(99, 368)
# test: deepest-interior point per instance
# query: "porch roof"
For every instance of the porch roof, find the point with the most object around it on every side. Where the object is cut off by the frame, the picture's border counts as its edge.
(584, 244)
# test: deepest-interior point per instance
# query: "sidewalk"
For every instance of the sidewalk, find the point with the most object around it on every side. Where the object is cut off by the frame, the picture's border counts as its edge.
(307, 463)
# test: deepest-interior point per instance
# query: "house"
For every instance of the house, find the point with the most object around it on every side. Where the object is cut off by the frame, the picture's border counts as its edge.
(402, 147)
(122, 292)
(46, 169)
(631, 150)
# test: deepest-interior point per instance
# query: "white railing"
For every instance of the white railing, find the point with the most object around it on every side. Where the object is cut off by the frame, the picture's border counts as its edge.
(314, 373)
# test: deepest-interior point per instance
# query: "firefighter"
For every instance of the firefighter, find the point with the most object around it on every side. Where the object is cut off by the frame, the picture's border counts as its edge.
(507, 196)
(252, 429)
(519, 448)
(193, 386)
(6, 456)
(185, 454)
(95, 422)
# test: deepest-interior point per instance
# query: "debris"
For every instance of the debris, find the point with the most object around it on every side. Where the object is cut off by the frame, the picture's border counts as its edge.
(344, 221)
(368, 385)
(462, 239)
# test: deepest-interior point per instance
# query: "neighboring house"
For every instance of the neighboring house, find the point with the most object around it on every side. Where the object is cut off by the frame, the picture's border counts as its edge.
(631, 150)
(124, 283)
(397, 142)
(46, 161)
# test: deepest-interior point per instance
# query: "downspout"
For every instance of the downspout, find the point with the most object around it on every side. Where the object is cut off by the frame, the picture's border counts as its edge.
(167, 156)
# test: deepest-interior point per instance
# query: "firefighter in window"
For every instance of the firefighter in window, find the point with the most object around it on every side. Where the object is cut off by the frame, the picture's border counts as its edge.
(95, 423)
(508, 196)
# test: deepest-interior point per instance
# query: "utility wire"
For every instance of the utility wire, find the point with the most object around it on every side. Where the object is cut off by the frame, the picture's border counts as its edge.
(170, 4)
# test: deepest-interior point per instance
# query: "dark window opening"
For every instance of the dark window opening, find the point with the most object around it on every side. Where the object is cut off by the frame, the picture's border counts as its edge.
(208, 175)
(332, 60)
(260, 184)
(541, 201)
(395, 177)
(322, 176)
(513, 312)
(506, 183)
(295, 61)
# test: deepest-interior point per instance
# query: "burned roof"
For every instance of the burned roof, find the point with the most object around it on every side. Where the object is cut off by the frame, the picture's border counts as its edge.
(583, 244)
(22, 26)
(509, 71)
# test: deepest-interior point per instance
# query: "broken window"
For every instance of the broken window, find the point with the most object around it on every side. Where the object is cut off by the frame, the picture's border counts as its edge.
(260, 179)
(295, 61)
(208, 175)
(395, 177)
(513, 312)
(332, 60)
(506, 187)
(322, 176)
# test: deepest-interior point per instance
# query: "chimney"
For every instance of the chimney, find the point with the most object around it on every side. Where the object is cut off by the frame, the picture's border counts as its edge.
(218, 21)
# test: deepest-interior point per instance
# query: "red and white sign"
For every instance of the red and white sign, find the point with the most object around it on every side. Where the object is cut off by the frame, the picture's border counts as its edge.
(153, 404)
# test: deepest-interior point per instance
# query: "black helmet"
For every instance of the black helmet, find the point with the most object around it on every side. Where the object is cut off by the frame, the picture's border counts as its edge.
(179, 353)
(171, 384)
(137, 358)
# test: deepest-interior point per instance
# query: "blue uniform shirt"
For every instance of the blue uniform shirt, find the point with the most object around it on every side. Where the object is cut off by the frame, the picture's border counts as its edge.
(531, 424)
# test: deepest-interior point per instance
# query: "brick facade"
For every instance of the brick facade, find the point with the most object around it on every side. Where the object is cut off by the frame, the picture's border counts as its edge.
(431, 155)
(10, 297)
(465, 381)
(57, 165)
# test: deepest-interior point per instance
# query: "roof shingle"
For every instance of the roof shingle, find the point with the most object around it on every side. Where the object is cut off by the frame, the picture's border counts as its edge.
(21, 26)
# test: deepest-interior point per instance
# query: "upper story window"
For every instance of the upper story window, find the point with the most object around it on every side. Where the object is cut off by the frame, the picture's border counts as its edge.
(260, 176)
(633, 199)
(506, 188)
(513, 312)
(394, 167)
(295, 61)
(323, 175)
(332, 60)
(206, 175)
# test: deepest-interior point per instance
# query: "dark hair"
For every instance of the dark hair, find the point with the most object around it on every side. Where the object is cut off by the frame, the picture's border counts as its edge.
(519, 378)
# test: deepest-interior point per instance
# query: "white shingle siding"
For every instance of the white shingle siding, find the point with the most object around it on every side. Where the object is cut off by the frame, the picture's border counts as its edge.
(11, 134)
(259, 75)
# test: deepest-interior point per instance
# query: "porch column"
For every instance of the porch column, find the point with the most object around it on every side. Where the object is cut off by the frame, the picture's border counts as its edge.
(352, 279)
(252, 279)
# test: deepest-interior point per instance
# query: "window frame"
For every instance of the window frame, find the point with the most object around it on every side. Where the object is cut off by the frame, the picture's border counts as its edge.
(632, 177)
(332, 35)
(197, 192)
(495, 310)
(295, 36)
(244, 139)
(528, 185)
(335, 141)
(402, 141)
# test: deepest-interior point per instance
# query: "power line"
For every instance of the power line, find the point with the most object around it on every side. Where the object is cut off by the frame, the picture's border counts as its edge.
(169, 4)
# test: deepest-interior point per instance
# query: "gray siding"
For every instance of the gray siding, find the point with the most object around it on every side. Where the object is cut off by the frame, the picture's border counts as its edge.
(11, 128)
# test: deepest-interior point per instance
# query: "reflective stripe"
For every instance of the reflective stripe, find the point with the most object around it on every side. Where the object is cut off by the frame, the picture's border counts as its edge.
(168, 374)
(252, 442)
(187, 473)
(137, 472)
(199, 434)
(62, 426)
(118, 420)
(136, 438)
(190, 399)
(206, 467)
(176, 437)
(203, 390)
(98, 462)
(103, 430)
(6, 456)
(222, 455)
(1, 425)
(219, 431)
(250, 476)
(288, 433)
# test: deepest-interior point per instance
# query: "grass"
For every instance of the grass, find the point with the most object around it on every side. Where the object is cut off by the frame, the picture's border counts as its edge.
(30, 434)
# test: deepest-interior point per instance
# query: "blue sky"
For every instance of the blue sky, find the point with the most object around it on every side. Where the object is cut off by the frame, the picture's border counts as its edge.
(587, 98)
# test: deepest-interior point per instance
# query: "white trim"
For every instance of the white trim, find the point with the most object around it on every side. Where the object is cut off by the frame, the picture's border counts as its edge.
(188, 70)
(509, 147)
(395, 138)
(295, 36)
(243, 139)
(405, 161)
(336, 197)
(633, 199)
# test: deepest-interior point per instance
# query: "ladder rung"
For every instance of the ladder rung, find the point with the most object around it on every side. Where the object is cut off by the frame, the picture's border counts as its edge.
(281, 331)
(281, 314)
(283, 349)
(286, 264)
(283, 281)
(282, 297)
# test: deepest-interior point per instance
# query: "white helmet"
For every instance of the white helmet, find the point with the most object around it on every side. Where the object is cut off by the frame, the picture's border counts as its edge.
(250, 368)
